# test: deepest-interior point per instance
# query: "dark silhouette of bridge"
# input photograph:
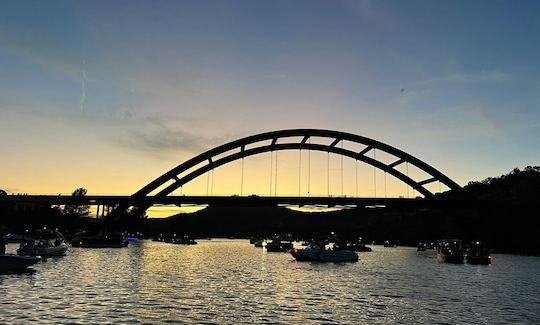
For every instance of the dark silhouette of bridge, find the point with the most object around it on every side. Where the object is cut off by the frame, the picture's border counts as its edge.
(284, 140)
(159, 190)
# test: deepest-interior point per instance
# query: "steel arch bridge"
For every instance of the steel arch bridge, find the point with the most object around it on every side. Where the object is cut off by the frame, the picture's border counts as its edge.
(281, 140)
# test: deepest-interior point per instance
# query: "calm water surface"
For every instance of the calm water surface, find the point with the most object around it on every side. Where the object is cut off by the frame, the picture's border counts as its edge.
(232, 282)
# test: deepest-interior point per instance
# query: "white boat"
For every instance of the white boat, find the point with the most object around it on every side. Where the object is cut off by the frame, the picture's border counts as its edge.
(47, 249)
(11, 262)
(46, 243)
(317, 254)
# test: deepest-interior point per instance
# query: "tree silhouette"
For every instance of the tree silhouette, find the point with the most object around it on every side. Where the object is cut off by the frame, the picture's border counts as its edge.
(3, 193)
(77, 210)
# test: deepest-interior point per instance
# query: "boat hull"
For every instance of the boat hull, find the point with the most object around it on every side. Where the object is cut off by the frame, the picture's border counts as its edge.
(316, 255)
(16, 263)
(99, 243)
(278, 247)
(52, 250)
(482, 260)
(453, 259)
(359, 248)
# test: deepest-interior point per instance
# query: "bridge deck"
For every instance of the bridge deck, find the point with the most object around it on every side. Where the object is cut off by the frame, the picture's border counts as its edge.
(112, 200)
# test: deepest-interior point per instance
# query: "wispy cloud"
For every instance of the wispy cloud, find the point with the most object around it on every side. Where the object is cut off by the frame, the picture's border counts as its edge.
(155, 137)
(469, 120)
(83, 88)
(479, 76)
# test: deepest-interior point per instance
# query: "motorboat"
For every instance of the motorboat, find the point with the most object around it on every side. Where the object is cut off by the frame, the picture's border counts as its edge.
(15, 238)
(98, 242)
(158, 238)
(11, 263)
(50, 243)
(387, 243)
(253, 240)
(358, 246)
(477, 254)
(316, 253)
(450, 251)
(260, 243)
(280, 243)
(278, 246)
(47, 249)
(186, 240)
(45, 243)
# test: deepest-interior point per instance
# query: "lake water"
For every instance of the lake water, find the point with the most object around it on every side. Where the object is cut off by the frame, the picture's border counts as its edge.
(232, 282)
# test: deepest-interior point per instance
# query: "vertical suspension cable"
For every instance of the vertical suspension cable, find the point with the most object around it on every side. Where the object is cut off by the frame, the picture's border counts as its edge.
(440, 186)
(212, 186)
(207, 182)
(374, 174)
(242, 179)
(271, 169)
(309, 169)
(181, 187)
(300, 173)
(328, 174)
(275, 174)
(341, 169)
(407, 171)
(356, 178)
(385, 184)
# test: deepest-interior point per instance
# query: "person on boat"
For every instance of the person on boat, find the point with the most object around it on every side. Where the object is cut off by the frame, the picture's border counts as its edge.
(27, 248)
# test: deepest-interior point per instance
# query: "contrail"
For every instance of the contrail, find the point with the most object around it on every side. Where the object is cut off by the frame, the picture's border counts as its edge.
(83, 88)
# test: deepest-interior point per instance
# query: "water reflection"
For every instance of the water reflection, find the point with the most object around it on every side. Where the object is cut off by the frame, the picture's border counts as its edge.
(231, 282)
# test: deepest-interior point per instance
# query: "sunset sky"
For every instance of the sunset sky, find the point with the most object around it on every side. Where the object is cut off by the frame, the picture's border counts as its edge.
(108, 95)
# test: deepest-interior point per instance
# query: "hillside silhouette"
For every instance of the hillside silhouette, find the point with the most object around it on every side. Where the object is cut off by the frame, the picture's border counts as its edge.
(508, 224)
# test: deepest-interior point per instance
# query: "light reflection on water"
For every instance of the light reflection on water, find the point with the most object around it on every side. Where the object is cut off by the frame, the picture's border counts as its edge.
(231, 282)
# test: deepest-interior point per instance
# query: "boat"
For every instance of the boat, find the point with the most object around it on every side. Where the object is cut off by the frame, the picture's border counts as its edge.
(48, 249)
(280, 243)
(45, 243)
(388, 244)
(98, 242)
(13, 263)
(50, 243)
(357, 246)
(15, 238)
(260, 243)
(477, 254)
(450, 251)
(317, 253)
(186, 240)
(158, 238)
(278, 246)
(253, 240)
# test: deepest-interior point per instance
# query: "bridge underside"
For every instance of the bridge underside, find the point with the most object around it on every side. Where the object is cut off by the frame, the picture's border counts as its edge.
(323, 201)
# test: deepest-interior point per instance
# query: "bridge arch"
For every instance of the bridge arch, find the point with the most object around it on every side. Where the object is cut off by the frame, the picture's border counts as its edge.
(237, 149)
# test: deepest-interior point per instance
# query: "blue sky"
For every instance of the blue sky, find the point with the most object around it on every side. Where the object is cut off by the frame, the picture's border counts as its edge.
(100, 92)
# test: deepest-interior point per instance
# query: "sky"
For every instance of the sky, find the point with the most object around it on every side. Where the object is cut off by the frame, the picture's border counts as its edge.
(108, 95)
